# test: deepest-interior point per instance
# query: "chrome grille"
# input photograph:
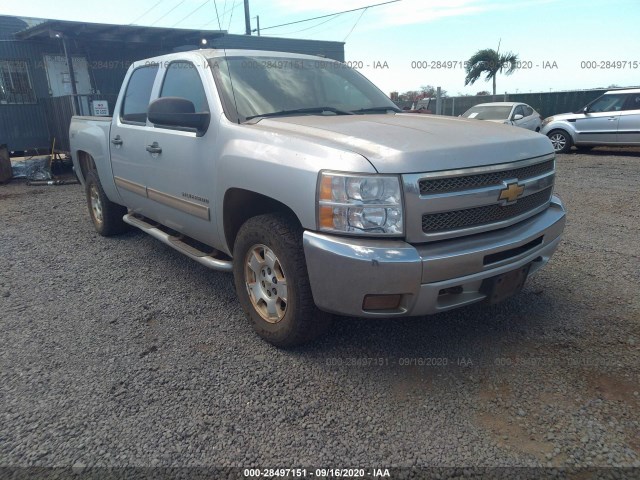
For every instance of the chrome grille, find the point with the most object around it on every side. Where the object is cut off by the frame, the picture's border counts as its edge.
(452, 184)
(471, 217)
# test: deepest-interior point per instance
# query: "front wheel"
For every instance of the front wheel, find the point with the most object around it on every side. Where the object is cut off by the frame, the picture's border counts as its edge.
(272, 283)
(560, 140)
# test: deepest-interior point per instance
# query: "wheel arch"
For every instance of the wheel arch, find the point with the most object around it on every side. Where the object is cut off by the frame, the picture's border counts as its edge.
(240, 205)
(86, 164)
(566, 132)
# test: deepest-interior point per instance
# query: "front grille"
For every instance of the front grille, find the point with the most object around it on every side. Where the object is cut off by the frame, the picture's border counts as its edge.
(471, 217)
(453, 184)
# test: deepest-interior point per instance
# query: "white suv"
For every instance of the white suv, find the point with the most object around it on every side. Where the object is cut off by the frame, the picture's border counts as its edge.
(611, 119)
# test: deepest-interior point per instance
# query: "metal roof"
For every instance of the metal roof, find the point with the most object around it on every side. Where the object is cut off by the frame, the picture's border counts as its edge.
(104, 32)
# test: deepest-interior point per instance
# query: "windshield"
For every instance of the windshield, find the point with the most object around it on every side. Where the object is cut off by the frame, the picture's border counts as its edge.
(256, 86)
(488, 113)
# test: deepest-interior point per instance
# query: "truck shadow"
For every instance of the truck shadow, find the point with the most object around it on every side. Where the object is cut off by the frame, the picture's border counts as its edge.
(607, 152)
(477, 332)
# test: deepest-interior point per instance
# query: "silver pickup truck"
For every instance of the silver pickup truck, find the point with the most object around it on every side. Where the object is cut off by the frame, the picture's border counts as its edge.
(302, 178)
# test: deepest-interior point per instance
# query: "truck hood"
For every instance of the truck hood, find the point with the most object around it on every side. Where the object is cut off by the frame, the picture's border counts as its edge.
(408, 143)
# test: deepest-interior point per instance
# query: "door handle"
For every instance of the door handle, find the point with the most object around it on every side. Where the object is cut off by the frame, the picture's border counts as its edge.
(154, 148)
(116, 140)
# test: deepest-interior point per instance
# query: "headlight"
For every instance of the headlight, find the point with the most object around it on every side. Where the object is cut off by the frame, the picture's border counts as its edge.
(547, 120)
(360, 204)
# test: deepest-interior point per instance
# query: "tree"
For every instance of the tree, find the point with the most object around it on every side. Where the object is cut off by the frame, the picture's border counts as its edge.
(408, 96)
(489, 62)
(429, 91)
(483, 92)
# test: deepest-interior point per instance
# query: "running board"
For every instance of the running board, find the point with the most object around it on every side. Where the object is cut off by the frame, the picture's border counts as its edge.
(177, 243)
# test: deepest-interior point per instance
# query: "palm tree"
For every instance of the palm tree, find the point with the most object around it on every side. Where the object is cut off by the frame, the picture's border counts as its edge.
(490, 62)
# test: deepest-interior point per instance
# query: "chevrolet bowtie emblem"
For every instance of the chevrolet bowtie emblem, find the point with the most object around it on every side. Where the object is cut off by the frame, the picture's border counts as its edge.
(511, 193)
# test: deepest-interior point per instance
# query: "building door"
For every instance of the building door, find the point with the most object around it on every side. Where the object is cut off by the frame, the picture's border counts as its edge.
(60, 80)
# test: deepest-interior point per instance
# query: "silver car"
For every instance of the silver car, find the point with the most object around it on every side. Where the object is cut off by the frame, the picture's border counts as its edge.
(511, 113)
(611, 119)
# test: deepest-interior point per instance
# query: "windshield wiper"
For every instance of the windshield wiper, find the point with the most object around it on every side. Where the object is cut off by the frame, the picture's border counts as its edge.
(376, 109)
(337, 111)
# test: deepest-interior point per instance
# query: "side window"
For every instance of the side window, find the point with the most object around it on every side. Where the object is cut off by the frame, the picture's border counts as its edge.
(607, 103)
(519, 111)
(138, 94)
(182, 80)
(633, 102)
(528, 111)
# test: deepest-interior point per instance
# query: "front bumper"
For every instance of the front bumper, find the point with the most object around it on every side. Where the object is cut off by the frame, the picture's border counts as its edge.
(431, 277)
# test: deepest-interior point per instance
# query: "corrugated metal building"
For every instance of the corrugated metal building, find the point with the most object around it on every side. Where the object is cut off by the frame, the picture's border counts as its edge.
(39, 93)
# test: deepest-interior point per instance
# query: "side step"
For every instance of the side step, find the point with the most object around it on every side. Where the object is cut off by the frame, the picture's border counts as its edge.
(176, 242)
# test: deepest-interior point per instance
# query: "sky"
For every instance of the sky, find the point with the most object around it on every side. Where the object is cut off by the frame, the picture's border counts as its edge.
(561, 44)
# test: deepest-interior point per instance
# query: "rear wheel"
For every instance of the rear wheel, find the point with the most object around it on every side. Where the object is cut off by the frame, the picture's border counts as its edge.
(272, 283)
(560, 140)
(105, 215)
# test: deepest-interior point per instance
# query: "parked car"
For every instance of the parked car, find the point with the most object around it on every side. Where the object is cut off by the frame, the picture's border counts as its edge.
(424, 106)
(511, 113)
(304, 180)
(611, 119)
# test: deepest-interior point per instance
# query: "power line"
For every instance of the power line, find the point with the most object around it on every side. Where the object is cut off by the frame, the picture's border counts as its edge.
(231, 16)
(354, 25)
(215, 4)
(194, 11)
(147, 11)
(224, 11)
(334, 17)
(331, 14)
(168, 13)
(223, 14)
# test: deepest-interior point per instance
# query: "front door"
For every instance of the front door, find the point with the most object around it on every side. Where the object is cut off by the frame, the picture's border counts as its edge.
(60, 79)
(181, 179)
(600, 123)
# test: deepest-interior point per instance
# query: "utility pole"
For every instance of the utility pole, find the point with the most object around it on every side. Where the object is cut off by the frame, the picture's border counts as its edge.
(258, 24)
(247, 18)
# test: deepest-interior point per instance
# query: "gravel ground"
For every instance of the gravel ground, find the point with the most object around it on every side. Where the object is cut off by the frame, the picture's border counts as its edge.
(122, 352)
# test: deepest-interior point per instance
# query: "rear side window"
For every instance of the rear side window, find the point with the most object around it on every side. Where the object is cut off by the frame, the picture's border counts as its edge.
(528, 111)
(182, 80)
(633, 102)
(138, 94)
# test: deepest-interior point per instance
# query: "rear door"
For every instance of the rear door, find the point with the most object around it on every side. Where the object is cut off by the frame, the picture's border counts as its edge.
(600, 123)
(129, 159)
(629, 123)
(181, 177)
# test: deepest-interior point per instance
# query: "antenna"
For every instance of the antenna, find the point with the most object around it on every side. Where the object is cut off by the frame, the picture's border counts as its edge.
(224, 49)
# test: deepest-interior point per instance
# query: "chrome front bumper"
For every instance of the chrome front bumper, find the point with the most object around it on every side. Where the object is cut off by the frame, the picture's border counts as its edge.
(342, 270)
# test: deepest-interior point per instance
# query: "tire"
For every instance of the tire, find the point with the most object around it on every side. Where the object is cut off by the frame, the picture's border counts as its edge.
(272, 283)
(105, 215)
(561, 141)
